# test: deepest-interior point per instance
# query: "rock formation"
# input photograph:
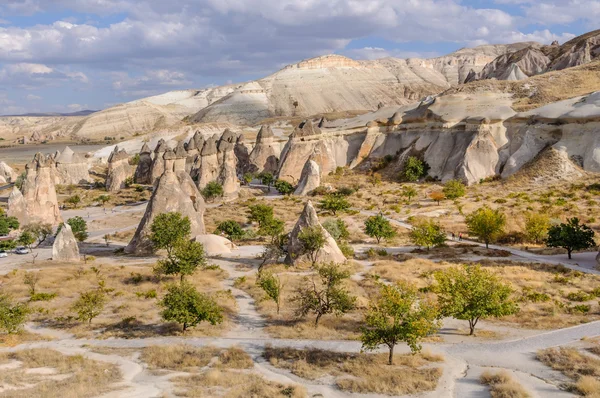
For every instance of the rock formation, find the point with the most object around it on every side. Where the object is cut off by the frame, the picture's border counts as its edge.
(265, 154)
(193, 148)
(71, 168)
(228, 165)
(65, 246)
(243, 156)
(329, 253)
(310, 178)
(143, 171)
(215, 244)
(7, 173)
(158, 166)
(118, 170)
(208, 168)
(38, 202)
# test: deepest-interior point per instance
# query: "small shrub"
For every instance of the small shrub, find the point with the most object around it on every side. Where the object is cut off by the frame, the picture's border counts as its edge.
(580, 309)
(579, 296)
(42, 296)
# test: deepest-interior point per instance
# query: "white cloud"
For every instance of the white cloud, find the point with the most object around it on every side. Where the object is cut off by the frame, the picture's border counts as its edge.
(28, 76)
(378, 52)
(32, 97)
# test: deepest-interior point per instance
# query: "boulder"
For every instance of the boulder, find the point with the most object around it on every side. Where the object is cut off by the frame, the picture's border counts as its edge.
(65, 246)
(265, 154)
(215, 244)
(329, 253)
(7, 173)
(168, 196)
(310, 178)
(118, 170)
(71, 168)
(143, 171)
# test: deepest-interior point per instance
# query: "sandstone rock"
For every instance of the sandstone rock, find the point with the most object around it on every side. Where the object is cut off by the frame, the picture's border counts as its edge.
(310, 179)
(265, 154)
(228, 164)
(168, 196)
(158, 165)
(7, 172)
(143, 171)
(209, 167)
(118, 170)
(193, 148)
(329, 253)
(215, 245)
(65, 246)
(243, 156)
(17, 207)
(71, 168)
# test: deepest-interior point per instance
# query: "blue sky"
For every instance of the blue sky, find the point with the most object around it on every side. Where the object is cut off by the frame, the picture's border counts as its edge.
(68, 55)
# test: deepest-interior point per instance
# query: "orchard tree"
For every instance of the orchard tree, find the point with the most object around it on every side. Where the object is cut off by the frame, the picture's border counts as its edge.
(188, 307)
(8, 224)
(537, 226)
(400, 314)
(334, 203)
(26, 239)
(184, 260)
(212, 190)
(409, 192)
(89, 305)
(379, 227)
(324, 294)
(427, 233)
(312, 240)
(454, 189)
(168, 229)
(79, 228)
(272, 287)
(472, 293)
(571, 236)
(486, 224)
(12, 315)
(231, 229)
(272, 227)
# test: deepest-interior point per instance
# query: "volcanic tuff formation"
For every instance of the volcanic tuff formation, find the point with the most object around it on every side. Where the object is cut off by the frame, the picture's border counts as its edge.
(71, 168)
(310, 179)
(65, 245)
(118, 170)
(7, 174)
(143, 171)
(265, 154)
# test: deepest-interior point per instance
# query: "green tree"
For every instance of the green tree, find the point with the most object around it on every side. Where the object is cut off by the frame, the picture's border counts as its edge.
(272, 287)
(79, 228)
(409, 192)
(89, 305)
(454, 189)
(248, 177)
(472, 293)
(266, 179)
(260, 213)
(334, 203)
(427, 233)
(212, 190)
(272, 227)
(414, 169)
(400, 314)
(312, 240)
(26, 239)
(337, 228)
(31, 279)
(284, 187)
(185, 305)
(12, 315)
(168, 229)
(231, 229)
(39, 231)
(103, 199)
(537, 226)
(379, 227)
(74, 200)
(8, 224)
(185, 258)
(324, 294)
(571, 236)
(486, 224)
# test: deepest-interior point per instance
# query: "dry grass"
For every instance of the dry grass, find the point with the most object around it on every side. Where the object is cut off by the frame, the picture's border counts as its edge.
(178, 357)
(582, 368)
(235, 358)
(12, 340)
(230, 384)
(361, 373)
(131, 310)
(71, 376)
(502, 385)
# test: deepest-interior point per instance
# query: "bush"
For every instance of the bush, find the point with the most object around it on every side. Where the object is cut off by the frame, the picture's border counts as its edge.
(186, 306)
(212, 190)
(284, 187)
(580, 309)
(231, 229)
(346, 249)
(337, 228)
(334, 203)
(379, 227)
(427, 233)
(454, 189)
(12, 316)
(42, 296)
(414, 169)
(579, 296)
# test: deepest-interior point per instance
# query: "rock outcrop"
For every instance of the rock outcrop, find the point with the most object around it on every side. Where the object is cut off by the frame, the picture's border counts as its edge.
(215, 245)
(38, 202)
(243, 156)
(143, 171)
(265, 154)
(209, 167)
(118, 170)
(158, 165)
(71, 168)
(193, 148)
(329, 253)
(310, 178)
(228, 165)
(7, 173)
(65, 246)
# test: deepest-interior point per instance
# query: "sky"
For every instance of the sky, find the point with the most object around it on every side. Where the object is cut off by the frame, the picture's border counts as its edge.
(70, 55)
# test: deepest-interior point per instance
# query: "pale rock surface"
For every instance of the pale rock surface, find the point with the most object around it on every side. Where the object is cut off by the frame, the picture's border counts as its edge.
(7, 173)
(65, 246)
(158, 165)
(209, 167)
(310, 178)
(329, 253)
(265, 154)
(71, 168)
(215, 244)
(143, 171)
(228, 165)
(118, 170)
(242, 153)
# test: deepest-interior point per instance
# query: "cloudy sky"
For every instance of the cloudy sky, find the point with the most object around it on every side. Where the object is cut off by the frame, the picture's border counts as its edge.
(68, 55)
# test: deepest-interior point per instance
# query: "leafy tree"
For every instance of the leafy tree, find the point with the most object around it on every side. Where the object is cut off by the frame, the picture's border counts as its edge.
(284, 187)
(409, 192)
(400, 314)
(454, 189)
(334, 203)
(185, 305)
(103, 199)
(274, 251)
(486, 224)
(337, 228)
(260, 213)
(212, 190)
(89, 305)
(12, 316)
(184, 259)
(79, 228)
(8, 224)
(31, 279)
(427, 233)
(473, 293)
(414, 169)
(571, 236)
(272, 287)
(40, 232)
(312, 240)
(266, 179)
(325, 294)
(248, 177)
(379, 227)
(168, 229)
(437, 196)
(26, 239)
(375, 179)
(74, 200)
(231, 229)
(272, 227)
(537, 226)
